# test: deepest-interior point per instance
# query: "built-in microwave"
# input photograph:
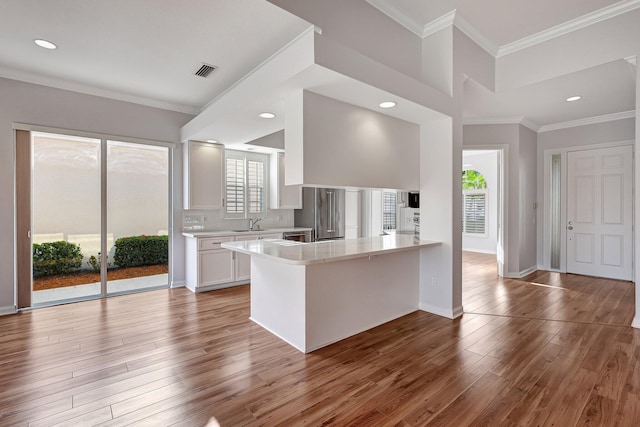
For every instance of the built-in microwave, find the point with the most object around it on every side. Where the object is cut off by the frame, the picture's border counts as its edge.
(413, 200)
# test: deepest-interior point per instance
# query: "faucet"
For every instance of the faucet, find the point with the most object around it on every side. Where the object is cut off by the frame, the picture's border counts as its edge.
(253, 222)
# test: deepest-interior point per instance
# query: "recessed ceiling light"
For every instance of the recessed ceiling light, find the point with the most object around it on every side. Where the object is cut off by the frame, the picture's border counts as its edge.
(387, 104)
(573, 98)
(212, 140)
(267, 115)
(45, 44)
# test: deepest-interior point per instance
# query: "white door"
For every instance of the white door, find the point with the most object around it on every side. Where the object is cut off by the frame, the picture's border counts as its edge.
(599, 212)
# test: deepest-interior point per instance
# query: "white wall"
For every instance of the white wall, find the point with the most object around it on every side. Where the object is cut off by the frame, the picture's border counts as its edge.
(39, 105)
(349, 146)
(485, 162)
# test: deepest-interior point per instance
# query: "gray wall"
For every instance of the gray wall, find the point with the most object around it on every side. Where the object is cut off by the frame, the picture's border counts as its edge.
(44, 106)
(599, 133)
(360, 26)
(520, 219)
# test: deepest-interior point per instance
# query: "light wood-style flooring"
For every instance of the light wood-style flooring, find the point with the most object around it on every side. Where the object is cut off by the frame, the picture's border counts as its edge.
(553, 349)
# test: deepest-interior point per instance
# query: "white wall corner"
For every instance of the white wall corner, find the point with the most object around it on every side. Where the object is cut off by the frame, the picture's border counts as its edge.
(475, 35)
(636, 322)
(449, 313)
(178, 284)
(8, 310)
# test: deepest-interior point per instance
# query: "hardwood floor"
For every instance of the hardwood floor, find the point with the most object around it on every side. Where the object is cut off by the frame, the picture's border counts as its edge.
(549, 350)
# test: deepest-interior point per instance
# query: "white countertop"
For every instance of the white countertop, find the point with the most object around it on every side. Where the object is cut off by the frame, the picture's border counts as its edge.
(297, 253)
(220, 233)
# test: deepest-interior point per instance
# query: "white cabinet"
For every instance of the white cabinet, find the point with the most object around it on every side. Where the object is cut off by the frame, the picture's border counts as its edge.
(209, 266)
(352, 214)
(203, 175)
(216, 267)
(243, 261)
(282, 196)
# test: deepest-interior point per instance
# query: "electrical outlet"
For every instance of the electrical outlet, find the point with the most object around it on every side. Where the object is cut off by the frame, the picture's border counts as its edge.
(434, 282)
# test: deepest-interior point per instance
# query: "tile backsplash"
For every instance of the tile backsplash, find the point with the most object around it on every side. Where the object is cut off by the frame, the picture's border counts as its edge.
(213, 220)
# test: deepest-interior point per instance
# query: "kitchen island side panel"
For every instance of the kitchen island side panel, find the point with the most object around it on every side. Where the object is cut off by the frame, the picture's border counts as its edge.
(278, 299)
(345, 298)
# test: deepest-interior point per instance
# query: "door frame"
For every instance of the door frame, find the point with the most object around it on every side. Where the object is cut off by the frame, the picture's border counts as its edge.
(563, 153)
(20, 205)
(502, 250)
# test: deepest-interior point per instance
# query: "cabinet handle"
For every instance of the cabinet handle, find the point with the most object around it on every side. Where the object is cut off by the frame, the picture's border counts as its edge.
(223, 202)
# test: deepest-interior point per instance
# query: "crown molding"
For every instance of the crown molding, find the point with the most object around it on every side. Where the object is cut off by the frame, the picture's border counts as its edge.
(633, 60)
(505, 120)
(392, 12)
(438, 24)
(38, 79)
(475, 35)
(569, 26)
(589, 121)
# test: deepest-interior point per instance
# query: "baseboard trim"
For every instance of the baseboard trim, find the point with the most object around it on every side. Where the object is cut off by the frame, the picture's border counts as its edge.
(636, 322)
(453, 313)
(216, 287)
(522, 273)
(180, 284)
(10, 309)
(479, 251)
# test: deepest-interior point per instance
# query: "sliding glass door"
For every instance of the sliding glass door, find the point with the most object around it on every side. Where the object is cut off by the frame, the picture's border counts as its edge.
(65, 228)
(99, 217)
(137, 206)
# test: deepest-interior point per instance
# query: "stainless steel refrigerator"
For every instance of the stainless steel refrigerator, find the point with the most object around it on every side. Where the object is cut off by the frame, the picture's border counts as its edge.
(322, 210)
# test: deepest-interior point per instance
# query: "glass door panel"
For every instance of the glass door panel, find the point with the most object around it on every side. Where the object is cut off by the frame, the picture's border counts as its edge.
(137, 216)
(66, 214)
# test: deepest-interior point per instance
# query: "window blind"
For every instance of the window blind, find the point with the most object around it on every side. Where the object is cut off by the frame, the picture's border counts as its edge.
(474, 212)
(245, 180)
(235, 186)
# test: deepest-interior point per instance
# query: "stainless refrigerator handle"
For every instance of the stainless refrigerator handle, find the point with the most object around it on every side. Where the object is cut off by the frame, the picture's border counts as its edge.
(330, 216)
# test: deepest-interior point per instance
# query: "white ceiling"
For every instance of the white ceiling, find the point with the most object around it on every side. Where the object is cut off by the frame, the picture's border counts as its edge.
(146, 51)
(142, 51)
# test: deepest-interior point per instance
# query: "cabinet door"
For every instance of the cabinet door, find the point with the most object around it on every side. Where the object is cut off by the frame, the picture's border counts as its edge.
(242, 262)
(203, 175)
(283, 196)
(216, 267)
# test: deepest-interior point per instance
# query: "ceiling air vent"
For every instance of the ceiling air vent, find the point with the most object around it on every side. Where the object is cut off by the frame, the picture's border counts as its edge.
(205, 70)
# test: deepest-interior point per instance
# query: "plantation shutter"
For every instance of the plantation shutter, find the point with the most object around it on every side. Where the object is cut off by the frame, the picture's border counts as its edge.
(235, 185)
(255, 186)
(474, 212)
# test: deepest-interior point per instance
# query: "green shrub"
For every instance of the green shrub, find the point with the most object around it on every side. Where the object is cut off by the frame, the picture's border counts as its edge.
(141, 250)
(56, 258)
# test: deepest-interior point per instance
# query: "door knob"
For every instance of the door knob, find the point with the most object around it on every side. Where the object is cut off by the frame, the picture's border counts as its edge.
(570, 227)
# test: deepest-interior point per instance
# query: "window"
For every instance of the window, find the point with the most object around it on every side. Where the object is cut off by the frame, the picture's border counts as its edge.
(245, 176)
(389, 201)
(474, 204)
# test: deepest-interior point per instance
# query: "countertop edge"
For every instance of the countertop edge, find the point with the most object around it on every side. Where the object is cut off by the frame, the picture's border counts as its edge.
(227, 233)
(422, 244)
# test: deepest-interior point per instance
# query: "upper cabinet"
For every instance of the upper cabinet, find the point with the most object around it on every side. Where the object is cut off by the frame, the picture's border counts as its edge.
(203, 175)
(282, 196)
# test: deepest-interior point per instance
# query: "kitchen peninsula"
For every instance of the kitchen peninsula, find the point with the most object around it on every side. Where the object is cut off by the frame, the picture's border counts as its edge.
(314, 294)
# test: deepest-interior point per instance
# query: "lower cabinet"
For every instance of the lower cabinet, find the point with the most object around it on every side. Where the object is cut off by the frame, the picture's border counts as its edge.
(209, 266)
(216, 267)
